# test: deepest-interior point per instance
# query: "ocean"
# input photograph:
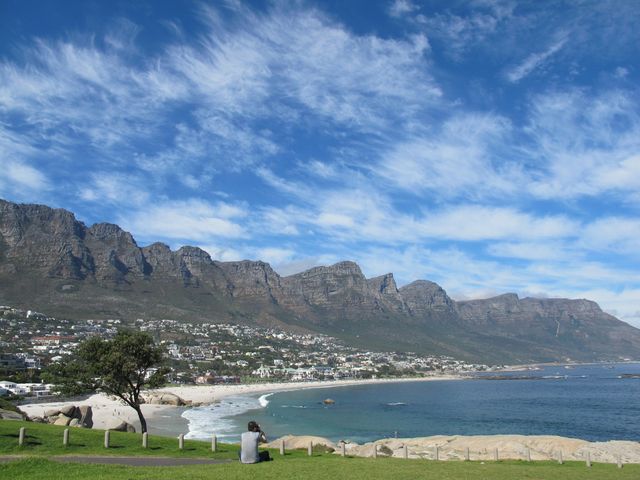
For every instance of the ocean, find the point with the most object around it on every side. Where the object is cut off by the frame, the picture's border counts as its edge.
(592, 402)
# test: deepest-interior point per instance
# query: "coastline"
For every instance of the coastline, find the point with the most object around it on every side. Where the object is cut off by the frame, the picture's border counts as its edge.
(208, 394)
(109, 411)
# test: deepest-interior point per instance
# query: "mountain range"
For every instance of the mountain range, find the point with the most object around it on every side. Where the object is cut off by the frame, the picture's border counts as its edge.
(50, 261)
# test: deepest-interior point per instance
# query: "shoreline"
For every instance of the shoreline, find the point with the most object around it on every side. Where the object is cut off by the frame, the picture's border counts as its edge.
(209, 394)
(107, 411)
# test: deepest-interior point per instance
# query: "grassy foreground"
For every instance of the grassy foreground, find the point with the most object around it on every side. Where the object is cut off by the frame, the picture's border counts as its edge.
(44, 441)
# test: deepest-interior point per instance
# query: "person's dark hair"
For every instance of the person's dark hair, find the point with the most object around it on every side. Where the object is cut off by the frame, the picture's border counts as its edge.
(253, 426)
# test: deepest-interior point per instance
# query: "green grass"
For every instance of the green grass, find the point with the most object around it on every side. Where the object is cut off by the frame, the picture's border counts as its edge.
(45, 440)
(326, 467)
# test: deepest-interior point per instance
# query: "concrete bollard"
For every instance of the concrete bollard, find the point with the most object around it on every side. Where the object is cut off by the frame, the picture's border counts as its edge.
(466, 454)
(65, 437)
(527, 454)
(406, 451)
(145, 440)
(375, 451)
(560, 461)
(181, 441)
(310, 451)
(436, 453)
(344, 449)
(107, 437)
(21, 435)
(214, 443)
(619, 461)
(282, 447)
(588, 460)
(495, 455)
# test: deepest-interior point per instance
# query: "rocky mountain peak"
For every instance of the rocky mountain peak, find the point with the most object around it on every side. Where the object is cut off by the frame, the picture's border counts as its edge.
(423, 295)
(384, 284)
(109, 232)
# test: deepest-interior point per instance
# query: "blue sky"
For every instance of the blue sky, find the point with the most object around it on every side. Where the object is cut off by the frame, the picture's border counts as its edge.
(490, 146)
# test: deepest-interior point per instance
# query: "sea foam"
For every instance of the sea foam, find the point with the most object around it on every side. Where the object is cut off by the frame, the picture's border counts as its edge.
(218, 418)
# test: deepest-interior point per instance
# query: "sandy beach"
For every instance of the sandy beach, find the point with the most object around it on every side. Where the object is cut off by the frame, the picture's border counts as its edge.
(166, 419)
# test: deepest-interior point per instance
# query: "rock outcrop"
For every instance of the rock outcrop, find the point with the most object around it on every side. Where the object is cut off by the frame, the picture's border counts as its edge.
(11, 415)
(68, 415)
(165, 398)
(509, 447)
(118, 425)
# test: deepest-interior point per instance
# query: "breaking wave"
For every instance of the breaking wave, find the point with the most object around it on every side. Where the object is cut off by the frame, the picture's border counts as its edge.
(263, 400)
(218, 418)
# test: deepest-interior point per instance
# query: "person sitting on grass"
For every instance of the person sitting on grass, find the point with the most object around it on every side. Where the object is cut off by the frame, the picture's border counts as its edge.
(249, 445)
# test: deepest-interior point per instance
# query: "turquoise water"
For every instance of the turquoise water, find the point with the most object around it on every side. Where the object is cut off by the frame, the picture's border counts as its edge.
(589, 402)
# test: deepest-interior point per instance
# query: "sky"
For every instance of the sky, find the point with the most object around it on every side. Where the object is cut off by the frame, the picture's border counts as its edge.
(489, 146)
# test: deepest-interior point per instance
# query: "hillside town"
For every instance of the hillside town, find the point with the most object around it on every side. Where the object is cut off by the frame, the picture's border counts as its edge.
(204, 353)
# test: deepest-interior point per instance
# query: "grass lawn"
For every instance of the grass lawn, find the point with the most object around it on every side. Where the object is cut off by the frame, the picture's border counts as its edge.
(45, 440)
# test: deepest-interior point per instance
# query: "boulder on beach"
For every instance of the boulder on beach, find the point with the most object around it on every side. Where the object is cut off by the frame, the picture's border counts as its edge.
(52, 412)
(165, 398)
(62, 420)
(68, 410)
(85, 414)
(118, 425)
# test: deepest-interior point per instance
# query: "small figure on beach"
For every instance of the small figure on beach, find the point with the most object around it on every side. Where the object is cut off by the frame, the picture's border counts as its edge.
(249, 444)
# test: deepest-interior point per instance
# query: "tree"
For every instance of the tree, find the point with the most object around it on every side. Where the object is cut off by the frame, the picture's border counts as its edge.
(121, 368)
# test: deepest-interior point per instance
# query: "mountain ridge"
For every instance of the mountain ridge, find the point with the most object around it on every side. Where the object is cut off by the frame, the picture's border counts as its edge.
(58, 264)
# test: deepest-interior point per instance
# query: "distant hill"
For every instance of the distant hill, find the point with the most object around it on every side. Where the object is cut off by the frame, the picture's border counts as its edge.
(50, 261)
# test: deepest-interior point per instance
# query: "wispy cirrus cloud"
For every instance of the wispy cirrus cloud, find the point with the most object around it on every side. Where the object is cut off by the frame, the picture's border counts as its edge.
(455, 159)
(191, 219)
(585, 144)
(535, 61)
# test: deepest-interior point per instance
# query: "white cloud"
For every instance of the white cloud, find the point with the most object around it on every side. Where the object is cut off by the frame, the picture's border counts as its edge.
(621, 72)
(19, 175)
(538, 250)
(460, 33)
(400, 8)
(275, 255)
(115, 188)
(223, 254)
(457, 159)
(191, 220)
(616, 234)
(286, 68)
(584, 144)
(474, 222)
(534, 61)
(304, 56)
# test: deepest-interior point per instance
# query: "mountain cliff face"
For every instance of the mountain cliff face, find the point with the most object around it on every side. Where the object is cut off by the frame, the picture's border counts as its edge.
(49, 261)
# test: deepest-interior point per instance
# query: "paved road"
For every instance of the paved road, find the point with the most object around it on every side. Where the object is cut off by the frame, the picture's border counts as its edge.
(130, 461)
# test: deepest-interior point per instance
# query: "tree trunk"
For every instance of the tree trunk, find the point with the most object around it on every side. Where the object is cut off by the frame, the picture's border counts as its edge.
(143, 422)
